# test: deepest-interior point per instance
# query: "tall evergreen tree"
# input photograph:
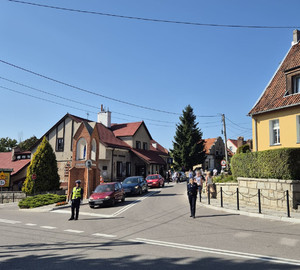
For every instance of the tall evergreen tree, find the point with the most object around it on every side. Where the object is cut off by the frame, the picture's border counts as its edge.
(44, 166)
(188, 146)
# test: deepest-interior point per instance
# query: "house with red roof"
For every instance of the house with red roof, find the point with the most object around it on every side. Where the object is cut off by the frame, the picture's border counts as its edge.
(233, 145)
(215, 152)
(14, 164)
(276, 114)
(115, 150)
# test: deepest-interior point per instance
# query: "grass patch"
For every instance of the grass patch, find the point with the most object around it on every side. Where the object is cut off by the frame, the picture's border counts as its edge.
(40, 200)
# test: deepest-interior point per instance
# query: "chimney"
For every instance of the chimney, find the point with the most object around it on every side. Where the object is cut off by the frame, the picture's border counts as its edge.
(104, 117)
(296, 36)
(240, 141)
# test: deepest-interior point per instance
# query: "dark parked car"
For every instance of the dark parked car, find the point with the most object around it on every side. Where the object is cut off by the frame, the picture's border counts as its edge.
(107, 193)
(183, 177)
(135, 185)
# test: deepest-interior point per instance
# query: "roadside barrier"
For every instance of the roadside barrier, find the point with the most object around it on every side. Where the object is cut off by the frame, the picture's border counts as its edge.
(286, 196)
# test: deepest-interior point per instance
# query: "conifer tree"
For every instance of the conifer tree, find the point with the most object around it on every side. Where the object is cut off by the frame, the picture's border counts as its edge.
(44, 166)
(188, 146)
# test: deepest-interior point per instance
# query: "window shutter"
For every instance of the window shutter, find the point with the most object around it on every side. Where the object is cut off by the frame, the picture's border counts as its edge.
(298, 128)
(271, 132)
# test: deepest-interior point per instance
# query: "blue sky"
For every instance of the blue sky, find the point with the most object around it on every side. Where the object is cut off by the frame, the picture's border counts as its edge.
(163, 66)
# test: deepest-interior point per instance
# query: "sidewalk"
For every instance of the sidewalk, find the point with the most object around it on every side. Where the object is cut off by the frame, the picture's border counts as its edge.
(250, 211)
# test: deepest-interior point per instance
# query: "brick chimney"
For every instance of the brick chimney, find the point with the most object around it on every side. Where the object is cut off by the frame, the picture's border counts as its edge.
(104, 117)
(296, 36)
(240, 141)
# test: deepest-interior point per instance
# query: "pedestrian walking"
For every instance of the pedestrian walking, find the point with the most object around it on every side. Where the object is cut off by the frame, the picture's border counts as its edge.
(191, 174)
(168, 177)
(209, 185)
(199, 180)
(192, 195)
(76, 197)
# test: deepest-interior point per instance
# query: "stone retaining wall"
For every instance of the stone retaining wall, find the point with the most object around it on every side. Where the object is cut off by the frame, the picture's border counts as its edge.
(11, 196)
(229, 190)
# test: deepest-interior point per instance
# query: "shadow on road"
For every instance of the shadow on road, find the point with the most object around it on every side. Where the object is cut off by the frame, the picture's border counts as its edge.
(50, 256)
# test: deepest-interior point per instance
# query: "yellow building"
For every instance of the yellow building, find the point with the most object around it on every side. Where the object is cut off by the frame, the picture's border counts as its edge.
(276, 114)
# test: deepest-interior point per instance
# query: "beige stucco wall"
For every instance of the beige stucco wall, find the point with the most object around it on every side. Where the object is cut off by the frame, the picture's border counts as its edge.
(142, 136)
(287, 125)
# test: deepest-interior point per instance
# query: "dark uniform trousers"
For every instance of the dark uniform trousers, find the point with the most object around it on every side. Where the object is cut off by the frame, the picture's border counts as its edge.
(192, 200)
(75, 208)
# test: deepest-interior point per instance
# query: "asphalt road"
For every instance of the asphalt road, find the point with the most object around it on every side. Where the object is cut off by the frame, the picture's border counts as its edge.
(153, 231)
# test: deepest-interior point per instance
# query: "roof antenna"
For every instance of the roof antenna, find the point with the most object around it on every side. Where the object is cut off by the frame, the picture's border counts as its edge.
(87, 116)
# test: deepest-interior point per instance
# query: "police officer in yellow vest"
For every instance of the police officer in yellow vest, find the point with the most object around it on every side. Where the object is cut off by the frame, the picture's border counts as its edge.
(76, 197)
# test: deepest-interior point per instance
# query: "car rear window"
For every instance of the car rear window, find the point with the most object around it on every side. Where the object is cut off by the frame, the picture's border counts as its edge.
(152, 177)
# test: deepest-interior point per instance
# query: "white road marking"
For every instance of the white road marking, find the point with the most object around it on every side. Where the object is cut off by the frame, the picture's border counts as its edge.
(9, 221)
(104, 235)
(73, 231)
(219, 251)
(288, 242)
(30, 224)
(48, 227)
(82, 213)
(125, 208)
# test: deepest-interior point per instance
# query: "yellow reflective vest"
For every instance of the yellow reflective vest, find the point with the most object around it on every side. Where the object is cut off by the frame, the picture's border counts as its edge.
(76, 193)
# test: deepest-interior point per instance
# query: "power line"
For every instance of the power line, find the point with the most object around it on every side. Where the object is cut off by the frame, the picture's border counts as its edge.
(243, 128)
(155, 20)
(94, 93)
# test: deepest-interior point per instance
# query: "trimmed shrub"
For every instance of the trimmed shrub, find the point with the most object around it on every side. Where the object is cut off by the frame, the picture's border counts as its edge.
(224, 178)
(243, 149)
(281, 163)
(40, 200)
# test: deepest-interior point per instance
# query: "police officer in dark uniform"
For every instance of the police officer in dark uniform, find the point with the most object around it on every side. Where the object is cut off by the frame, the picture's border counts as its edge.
(192, 189)
(76, 197)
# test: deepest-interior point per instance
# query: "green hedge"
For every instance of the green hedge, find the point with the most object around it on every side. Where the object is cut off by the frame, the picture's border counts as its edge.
(40, 200)
(224, 178)
(281, 163)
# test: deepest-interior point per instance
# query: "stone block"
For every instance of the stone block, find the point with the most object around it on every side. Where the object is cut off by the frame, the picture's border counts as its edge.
(261, 185)
(252, 184)
(243, 183)
(244, 190)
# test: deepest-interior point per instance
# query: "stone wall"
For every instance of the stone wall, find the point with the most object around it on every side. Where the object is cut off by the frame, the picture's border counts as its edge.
(273, 192)
(229, 191)
(11, 196)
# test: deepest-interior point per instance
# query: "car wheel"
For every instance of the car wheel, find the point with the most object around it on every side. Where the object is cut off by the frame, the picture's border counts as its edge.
(123, 198)
(113, 202)
(92, 206)
(163, 184)
(146, 190)
(140, 191)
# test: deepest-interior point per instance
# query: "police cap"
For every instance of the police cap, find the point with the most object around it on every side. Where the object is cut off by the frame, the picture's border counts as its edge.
(78, 181)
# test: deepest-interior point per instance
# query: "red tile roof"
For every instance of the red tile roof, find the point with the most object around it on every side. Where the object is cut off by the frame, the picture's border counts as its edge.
(151, 157)
(108, 138)
(274, 95)
(233, 142)
(7, 163)
(126, 129)
(159, 148)
(208, 143)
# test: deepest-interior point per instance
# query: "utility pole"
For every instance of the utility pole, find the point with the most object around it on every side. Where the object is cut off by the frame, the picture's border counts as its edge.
(225, 138)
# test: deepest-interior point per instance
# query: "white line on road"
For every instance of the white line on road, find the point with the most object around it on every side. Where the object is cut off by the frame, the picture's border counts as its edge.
(9, 221)
(48, 227)
(104, 235)
(219, 251)
(30, 224)
(125, 208)
(82, 213)
(73, 231)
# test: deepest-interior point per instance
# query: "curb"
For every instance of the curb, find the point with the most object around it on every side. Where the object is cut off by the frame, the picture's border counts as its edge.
(250, 214)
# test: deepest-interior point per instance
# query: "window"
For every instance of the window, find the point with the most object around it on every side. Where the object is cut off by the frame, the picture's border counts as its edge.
(81, 149)
(145, 146)
(128, 168)
(138, 145)
(298, 128)
(296, 84)
(274, 132)
(93, 152)
(119, 169)
(59, 145)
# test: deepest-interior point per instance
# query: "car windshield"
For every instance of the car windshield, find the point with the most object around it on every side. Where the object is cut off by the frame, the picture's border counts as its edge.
(131, 181)
(104, 188)
(152, 177)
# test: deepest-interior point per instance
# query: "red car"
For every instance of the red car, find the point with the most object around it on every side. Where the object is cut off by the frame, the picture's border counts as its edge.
(155, 180)
(107, 193)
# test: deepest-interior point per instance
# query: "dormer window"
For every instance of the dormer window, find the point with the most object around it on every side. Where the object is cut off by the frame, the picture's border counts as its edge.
(296, 84)
(138, 145)
(292, 81)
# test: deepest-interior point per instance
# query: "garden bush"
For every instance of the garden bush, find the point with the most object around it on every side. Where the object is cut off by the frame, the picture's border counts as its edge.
(224, 178)
(40, 200)
(281, 163)
(243, 149)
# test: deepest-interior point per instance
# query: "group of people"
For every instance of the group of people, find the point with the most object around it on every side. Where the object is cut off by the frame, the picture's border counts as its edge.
(195, 186)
